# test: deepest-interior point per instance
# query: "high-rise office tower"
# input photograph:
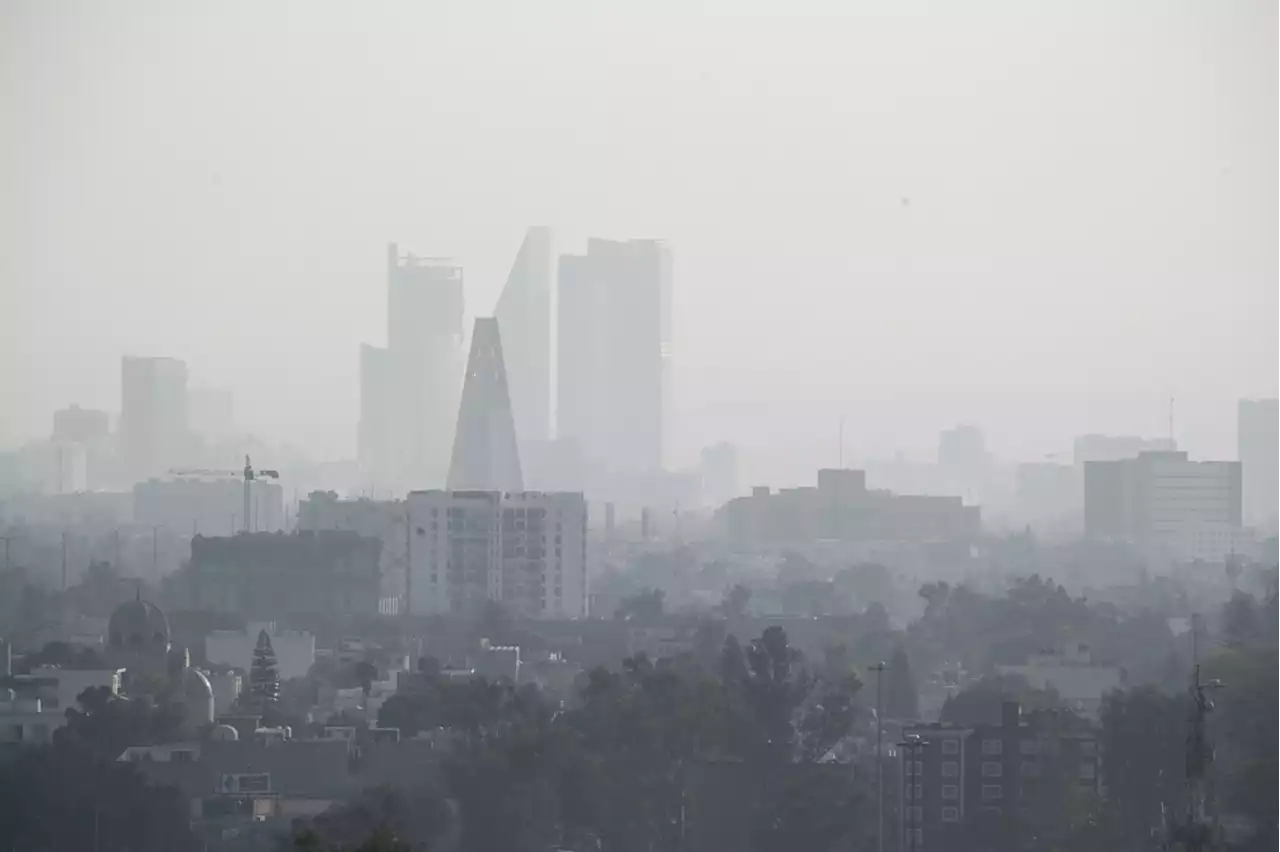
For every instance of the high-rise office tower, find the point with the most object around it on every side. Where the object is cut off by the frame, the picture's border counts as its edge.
(153, 415)
(524, 313)
(409, 391)
(485, 457)
(615, 352)
(1257, 435)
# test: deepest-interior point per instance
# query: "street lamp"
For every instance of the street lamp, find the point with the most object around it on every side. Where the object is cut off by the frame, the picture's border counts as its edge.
(879, 668)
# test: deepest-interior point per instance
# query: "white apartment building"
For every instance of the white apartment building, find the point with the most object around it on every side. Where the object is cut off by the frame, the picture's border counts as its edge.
(381, 519)
(526, 550)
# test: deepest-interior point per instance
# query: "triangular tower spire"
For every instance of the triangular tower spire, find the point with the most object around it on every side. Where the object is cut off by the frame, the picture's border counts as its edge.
(485, 457)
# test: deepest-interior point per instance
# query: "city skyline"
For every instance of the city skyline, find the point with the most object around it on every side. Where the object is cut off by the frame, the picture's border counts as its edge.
(848, 231)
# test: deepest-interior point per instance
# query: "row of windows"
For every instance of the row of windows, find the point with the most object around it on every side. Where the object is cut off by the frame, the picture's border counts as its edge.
(951, 745)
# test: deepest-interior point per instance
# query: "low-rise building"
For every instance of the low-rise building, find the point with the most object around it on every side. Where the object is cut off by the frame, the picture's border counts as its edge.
(959, 778)
(385, 520)
(841, 507)
(272, 575)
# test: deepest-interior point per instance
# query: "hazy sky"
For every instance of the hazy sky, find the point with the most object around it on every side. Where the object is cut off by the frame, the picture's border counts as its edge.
(1041, 217)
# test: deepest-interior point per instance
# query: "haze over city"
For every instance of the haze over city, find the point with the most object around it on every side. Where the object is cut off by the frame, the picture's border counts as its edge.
(1041, 220)
(703, 426)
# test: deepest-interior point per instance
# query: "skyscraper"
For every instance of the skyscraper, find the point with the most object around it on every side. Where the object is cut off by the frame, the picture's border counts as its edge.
(409, 391)
(524, 313)
(1257, 434)
(485, 457)
(615, 352)
(153, 415)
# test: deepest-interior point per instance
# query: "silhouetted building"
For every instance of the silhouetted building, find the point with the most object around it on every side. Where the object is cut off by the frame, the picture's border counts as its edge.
(485, 456)
(80, 425)
(719, 473)
(1257, 438)
(615, 352)
(524, 313)
(409, 391)
(208, 507)
(266, 576)
(385, 520)
(526, 550)
(1168, 506)
(153, 415)
(841, 507)
(1099, 448)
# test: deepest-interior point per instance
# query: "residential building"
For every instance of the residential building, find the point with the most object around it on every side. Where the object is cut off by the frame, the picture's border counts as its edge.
(841, 507)
(485, 455)
(153, 415)
(615, 352)
(524, 313)
(962, 780)
(385, 520)
(1170, 507)
(266, 576)
(524, 549)
(1257, 439)
(409, 390)
(208, 506)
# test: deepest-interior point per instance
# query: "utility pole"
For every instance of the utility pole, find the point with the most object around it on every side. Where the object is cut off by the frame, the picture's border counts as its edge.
(879, 668)
(64, 561)
(115, 535)
(408, 558)
(1194, 831)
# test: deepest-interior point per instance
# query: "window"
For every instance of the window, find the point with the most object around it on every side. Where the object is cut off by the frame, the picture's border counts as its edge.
(992, 747)
(992, 791)
(991, 769)
(950, 814)
(950, 746)
(181, 756)
(919, 837)
(1087, 771)
(950, 769)
(1030, 747)
(950, 791)
(916, 768)
(1030, 769)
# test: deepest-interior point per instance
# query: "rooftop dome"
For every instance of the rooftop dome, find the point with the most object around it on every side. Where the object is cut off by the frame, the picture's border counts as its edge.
(138, 624)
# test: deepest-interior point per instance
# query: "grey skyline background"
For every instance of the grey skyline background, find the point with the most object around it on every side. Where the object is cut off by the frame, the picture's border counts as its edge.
(1045, 219)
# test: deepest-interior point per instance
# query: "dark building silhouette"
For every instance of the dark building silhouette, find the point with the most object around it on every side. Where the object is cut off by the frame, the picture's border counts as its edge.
(485, 456)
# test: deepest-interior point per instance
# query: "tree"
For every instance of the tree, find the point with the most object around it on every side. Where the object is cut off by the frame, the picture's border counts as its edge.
(736, 600)
(643, 606)
(901, 699)
(366, 673)
(264, 682)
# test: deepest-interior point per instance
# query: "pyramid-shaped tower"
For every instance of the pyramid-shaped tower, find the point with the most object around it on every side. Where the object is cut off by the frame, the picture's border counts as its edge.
(524, 311)
(485, 457)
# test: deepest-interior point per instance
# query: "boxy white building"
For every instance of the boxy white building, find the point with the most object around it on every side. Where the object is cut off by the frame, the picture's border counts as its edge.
(526, 550)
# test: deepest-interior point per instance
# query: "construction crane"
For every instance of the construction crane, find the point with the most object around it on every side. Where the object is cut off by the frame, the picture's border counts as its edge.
(249, 475)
